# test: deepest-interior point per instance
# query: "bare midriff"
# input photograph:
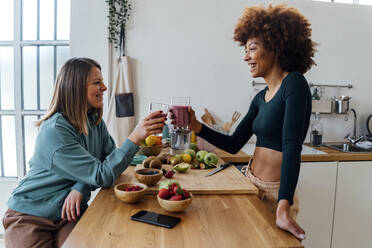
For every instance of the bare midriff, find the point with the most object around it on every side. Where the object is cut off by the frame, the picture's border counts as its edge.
(266, 164)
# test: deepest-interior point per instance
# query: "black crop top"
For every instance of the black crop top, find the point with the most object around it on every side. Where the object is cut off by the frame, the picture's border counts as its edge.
(280, 124)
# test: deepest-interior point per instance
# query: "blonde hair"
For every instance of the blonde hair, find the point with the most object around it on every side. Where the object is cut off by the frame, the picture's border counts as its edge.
(70, 95)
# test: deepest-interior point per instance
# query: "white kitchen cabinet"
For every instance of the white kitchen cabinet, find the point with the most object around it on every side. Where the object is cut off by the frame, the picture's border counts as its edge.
(316, 192)
(353, 209)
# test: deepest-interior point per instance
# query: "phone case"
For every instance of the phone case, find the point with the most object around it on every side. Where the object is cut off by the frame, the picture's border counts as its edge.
(163, 220)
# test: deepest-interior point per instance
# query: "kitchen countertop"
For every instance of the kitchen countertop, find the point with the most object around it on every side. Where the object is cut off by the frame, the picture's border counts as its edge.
(309, 154)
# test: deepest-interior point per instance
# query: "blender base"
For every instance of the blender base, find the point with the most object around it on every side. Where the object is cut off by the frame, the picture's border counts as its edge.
(173, 151)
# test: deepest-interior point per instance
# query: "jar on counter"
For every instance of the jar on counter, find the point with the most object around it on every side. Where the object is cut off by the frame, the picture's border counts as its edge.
(316, 131)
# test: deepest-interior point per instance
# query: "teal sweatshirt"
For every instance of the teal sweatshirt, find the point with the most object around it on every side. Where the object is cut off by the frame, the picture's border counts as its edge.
(64, 160)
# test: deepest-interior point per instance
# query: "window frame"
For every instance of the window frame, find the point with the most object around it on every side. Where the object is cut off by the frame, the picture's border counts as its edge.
(18, 112)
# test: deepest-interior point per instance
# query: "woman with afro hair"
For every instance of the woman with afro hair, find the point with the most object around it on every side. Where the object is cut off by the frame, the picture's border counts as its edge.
(278, 48)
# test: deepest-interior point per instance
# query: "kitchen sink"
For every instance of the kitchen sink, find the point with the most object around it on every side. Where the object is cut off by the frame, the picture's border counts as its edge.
(348, 147)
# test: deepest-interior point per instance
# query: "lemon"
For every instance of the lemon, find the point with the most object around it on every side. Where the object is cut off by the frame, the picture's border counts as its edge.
(182, 167)
(186, 158)
(151, 140)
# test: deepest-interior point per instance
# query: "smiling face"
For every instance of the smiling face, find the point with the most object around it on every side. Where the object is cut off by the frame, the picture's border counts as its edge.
(260, 60)
(95, 88)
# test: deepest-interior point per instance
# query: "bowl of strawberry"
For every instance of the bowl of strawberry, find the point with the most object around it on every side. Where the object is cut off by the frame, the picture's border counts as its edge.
(130, 192)
(174, 198)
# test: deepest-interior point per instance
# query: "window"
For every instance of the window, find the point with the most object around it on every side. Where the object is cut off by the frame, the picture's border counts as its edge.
(34, 43)
(361, 2)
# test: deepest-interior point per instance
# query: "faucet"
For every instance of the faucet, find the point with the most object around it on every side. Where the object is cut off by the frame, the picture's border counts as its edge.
(353, 139)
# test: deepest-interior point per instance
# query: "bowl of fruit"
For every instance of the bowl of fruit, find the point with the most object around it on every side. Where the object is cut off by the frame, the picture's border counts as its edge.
(130, 192)
(151, 146)
(148, 176)
(172, 197)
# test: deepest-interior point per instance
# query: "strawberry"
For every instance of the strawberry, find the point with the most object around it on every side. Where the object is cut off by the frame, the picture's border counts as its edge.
(176, 198)
(177, 190)
(169, 174)
(163, 193)
(171, 193)
(186, 194)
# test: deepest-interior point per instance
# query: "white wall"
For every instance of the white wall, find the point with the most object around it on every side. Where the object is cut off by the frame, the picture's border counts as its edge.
(88, 32)
(185, 48)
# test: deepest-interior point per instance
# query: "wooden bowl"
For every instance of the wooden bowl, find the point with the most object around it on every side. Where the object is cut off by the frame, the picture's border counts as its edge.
(129, 196)
(150, 150)
(149, 180)
(174, 206)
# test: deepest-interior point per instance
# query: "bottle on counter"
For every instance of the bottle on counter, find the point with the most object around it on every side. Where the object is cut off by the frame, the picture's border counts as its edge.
(316, 131)
(315, 95)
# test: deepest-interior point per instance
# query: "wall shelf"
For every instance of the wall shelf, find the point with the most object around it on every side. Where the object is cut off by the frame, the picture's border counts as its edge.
(349, 86)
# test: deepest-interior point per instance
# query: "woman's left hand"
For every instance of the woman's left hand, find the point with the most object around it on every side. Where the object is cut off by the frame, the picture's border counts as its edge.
(286, 222)
(71, 206)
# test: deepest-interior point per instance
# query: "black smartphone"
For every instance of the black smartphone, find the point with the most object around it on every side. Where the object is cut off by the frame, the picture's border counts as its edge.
(156, 219)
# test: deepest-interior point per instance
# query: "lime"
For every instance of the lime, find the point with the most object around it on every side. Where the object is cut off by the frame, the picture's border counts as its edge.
(182, 167)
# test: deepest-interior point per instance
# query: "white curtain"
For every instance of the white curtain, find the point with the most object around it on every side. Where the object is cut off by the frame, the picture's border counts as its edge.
(120, 115)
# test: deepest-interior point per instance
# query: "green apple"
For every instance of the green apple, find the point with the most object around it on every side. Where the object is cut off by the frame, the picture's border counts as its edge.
(200, 156)
(194, 146)
(211, 159)
(191, 152)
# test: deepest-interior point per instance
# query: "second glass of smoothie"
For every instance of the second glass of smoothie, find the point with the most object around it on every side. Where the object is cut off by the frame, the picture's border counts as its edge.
(180, 134)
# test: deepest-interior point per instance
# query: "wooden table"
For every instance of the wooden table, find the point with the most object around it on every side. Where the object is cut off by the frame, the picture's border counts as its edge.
(210, 221)
(225, 212)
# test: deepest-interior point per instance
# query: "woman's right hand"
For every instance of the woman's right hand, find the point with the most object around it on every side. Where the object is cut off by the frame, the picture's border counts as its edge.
(151, 124)
(286, 222)
(194, 124)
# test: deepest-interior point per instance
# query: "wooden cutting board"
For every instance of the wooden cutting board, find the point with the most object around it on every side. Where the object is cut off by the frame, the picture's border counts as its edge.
(227, 181)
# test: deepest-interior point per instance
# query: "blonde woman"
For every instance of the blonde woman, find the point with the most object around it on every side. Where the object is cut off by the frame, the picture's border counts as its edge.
(74, 154)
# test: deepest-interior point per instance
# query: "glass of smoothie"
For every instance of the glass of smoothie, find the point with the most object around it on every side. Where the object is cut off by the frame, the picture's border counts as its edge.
(179, 132)
(180, 106)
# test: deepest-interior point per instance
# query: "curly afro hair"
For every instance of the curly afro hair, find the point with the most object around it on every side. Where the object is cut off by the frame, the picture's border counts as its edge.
(283, 30)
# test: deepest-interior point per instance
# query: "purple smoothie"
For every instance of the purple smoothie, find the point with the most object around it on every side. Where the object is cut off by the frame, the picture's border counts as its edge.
(181, 115)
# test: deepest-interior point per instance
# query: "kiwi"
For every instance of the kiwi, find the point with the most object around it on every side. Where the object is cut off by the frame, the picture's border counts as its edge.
(163, 158)
(176, 161)
(146, 162)
(155, 163)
